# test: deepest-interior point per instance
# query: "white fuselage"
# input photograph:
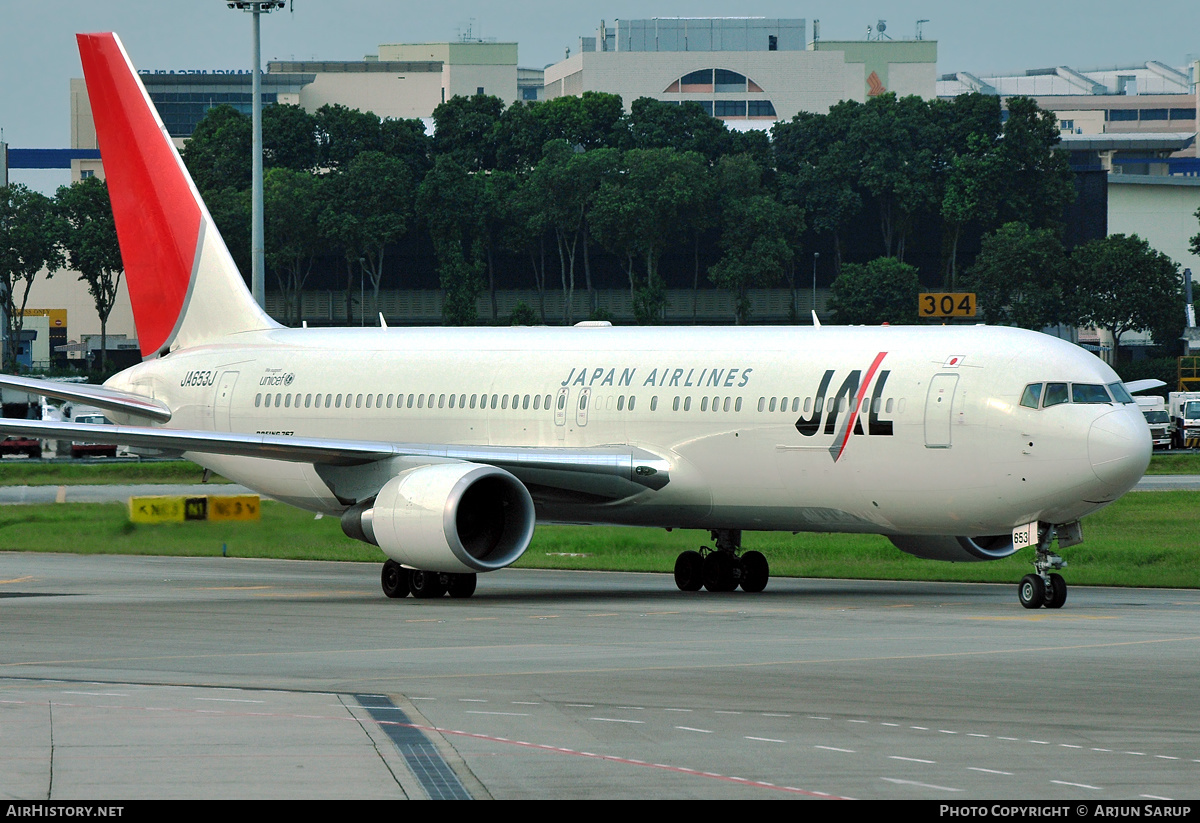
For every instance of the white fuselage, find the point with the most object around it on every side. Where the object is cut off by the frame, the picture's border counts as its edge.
(940, 444)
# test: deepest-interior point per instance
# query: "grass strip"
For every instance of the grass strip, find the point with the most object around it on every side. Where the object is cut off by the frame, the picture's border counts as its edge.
(1144, 539)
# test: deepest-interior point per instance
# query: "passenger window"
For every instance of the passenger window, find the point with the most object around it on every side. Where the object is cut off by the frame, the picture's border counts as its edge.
(410, 401)
(420, 401)
(1056, 393)
(267, 402)
(368, 401)
(257, 400)
(525, 403)
(631, 399)
(287, 401)
(654, 403)
(772, 407)
(462, 401)
(888, 407)
(621, 403)
(430, 401)
(675, 404)
(278, 400)
(337, 401)
(687, 404)
(537, 402)
(389, 401)
(738, 405)
(1089, 393)
(358, 402)
(504, 402)
(308, 401)
(546, 402)
(441, 401)
(703, 404)
(726, 406)
(762, 402)
(807, 405)
(1033, 393)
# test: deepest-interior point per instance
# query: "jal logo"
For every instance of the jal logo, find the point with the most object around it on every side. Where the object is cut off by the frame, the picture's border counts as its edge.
(840, 414)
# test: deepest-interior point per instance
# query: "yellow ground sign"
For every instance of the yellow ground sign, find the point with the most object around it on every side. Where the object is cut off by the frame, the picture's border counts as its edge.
(177, 508)
(946, 304)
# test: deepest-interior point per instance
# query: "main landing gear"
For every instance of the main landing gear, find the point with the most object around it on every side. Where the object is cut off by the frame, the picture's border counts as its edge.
(399, 582)
(724, 568)
(1045, 588)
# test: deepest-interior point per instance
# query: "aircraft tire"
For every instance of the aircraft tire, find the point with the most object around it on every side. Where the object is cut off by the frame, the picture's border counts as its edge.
(1032, 592)
(755, 572)
(718, 572)
(689, 571)
(425, 585)
(461, 585)
(394, 579)
(1058, 592)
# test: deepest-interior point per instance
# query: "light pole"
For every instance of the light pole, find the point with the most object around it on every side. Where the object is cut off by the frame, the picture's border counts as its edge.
(816, 255)
(257, 252)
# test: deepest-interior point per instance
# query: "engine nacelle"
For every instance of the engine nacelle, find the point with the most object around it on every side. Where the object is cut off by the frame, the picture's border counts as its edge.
(448, 517)
(955, 549)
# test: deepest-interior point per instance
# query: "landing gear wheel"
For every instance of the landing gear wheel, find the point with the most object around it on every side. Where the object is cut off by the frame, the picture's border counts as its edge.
(755, 572)
(426, 584)
(461, 585)
(1057, 595)
(1032, 592)
(394, 579)
(719, 572)
(689, 571)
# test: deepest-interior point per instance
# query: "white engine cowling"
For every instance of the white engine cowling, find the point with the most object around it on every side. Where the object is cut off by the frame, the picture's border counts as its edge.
(955, 549)
(452, 517)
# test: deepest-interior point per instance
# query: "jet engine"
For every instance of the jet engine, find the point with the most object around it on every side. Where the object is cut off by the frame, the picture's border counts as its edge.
(955, 549)
(447, 517)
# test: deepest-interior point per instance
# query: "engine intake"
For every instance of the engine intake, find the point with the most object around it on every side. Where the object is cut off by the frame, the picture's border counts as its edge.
(955, 549)
(448, 517)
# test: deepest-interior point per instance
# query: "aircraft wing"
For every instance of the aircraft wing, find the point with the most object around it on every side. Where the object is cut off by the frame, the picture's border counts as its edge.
(101, 397)
(606, 471)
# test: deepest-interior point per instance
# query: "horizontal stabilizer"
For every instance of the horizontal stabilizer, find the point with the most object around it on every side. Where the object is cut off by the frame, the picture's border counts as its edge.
(101, 397)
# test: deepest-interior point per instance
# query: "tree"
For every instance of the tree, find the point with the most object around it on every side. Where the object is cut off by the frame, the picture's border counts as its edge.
(653, 124)
(566, 183)
(89, 237)
(1022, 278)
(1038, 184)
(292, 204)
(466, 128)
(1125, 285)
(643, 210)
(883, 291)
(448, 202)
(289, 138)
(29, 234)
(754, 233)
(369, 206)
(218, 153)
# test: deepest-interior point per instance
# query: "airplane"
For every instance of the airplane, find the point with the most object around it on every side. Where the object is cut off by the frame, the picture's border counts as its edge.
(445, 446)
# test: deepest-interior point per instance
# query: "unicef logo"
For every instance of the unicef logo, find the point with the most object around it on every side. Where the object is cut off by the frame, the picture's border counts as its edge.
(287, 381)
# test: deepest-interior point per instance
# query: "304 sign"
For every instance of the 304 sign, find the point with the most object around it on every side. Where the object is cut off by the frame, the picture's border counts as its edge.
(947, 304)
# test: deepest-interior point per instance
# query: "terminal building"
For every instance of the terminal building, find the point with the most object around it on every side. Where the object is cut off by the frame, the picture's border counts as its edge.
(741, 68)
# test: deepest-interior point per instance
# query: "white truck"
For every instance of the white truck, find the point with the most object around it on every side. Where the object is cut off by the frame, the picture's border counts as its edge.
(1185, 414)
(1158, 419)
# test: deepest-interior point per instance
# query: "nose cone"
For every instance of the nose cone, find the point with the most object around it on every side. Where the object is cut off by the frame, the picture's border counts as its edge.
(1119, 448)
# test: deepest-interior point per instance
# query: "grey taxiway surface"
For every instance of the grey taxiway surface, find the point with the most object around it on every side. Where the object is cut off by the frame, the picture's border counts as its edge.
(127, 677)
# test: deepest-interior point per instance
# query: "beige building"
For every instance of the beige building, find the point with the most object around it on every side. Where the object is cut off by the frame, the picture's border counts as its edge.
(741, 69)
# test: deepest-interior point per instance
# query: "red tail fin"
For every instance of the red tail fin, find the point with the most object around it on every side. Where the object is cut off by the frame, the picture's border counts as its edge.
(183, 284)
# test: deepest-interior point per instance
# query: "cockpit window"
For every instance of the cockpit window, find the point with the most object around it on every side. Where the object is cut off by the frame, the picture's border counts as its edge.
(1089, 393)
(1033, 393)
(1055, 393)
(1119, 393)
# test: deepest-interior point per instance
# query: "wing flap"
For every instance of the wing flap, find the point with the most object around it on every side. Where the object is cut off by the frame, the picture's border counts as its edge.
(101, 397)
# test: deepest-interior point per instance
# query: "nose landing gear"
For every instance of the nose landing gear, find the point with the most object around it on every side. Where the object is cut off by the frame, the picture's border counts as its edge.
(722, 569)
(1043, 587)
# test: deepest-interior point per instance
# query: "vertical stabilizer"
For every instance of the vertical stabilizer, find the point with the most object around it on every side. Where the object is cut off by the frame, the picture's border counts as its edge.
(183, 284)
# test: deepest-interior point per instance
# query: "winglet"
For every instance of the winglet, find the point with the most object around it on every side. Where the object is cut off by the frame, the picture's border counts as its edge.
(183, 284)
(816, 320)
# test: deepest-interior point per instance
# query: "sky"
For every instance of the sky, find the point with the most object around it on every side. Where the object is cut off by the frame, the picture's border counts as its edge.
(38, 56)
